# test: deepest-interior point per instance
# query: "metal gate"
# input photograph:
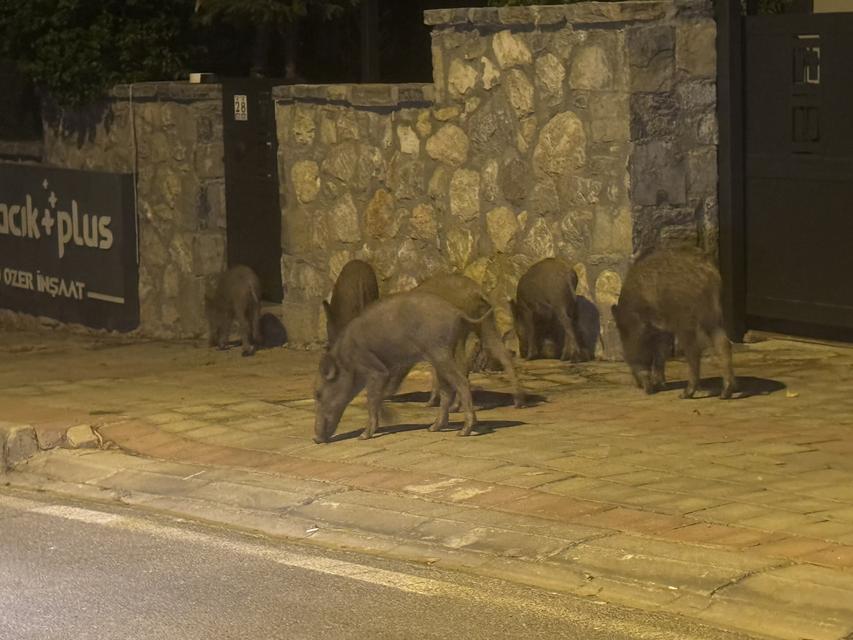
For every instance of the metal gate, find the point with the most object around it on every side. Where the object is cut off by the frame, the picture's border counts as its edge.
(253, 212)
(799, 173)
(785, 86)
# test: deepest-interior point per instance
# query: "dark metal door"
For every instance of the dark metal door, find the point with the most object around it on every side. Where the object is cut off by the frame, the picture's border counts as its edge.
(253, 213)
(799, 174)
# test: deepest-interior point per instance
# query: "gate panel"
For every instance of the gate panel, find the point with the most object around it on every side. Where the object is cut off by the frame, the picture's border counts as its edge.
(253, 212)
(799, 173)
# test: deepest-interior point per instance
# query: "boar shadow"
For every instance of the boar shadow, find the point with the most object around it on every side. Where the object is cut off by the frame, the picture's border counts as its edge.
(483, 398)
(747, 386)
(273, 332)
(588, 325)
(483, 427)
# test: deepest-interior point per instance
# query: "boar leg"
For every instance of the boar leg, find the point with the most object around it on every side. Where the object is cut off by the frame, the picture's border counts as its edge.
(444, 392)
(637, 379)
(434, 391)
(644, 381)
(693, 353)
(455, 376)
(527, 338)
(724, 354)
(463, 391)
(451, 377)
(224, 334)
(376, 386)
(491, 341)
(247, 324)
(395, 379)
(255, 319)
(571, 350)
(659, 354)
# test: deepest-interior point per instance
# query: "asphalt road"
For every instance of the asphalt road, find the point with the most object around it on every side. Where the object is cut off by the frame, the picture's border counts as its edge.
(70, 570)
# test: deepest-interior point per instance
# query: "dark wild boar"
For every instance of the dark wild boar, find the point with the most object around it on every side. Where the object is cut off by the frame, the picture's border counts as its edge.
(380, 346)
(355, 288)
(545, 307)
(672, 292)
(464, 294)
(237, 296)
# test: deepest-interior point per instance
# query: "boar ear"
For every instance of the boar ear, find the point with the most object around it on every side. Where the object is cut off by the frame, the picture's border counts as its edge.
(330, 319)
(328, 367)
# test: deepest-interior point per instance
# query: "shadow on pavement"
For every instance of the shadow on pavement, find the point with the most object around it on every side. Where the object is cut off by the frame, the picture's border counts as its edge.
(747, 386)
(483, 427)
(483, 399)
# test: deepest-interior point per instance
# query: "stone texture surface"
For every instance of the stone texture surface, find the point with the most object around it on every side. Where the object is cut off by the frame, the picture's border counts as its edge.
(585, 131)
(17, 444)
(81, 436)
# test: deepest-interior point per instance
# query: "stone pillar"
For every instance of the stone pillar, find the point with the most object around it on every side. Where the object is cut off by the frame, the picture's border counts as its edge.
(171, 135)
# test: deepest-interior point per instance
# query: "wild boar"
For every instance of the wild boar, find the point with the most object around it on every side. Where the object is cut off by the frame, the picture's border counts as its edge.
(355, 288)
(464, 294)
(545, 307)
(672, 292)
(380, 346)
(236, 296)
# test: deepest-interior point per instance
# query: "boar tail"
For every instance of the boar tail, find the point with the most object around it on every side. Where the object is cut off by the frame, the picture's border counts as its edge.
(470, 320)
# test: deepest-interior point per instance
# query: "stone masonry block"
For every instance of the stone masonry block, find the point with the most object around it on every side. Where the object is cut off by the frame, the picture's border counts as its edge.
(81, 436)
(658, 174)
(17, 443)
(696, 52)
(651, 56)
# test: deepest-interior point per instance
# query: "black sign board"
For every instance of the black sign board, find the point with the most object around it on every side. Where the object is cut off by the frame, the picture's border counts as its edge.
(68, 246)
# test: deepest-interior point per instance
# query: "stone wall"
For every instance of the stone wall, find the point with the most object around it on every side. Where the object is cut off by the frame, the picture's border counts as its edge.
(171, 135)
(585, 131)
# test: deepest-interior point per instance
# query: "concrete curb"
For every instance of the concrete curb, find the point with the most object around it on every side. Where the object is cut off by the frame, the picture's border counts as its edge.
(706, 584)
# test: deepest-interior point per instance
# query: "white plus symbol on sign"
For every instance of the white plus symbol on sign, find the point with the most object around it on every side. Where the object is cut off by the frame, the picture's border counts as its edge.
(52, 200)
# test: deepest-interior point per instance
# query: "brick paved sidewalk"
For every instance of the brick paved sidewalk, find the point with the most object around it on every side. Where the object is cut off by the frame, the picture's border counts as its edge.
(768, 476)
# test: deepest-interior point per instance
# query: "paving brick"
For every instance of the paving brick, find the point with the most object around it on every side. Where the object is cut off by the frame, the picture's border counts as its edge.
(184, 425)
(146, 482)
(498, 497)
(359, 517)
(644, 477)
(826, 594)
(825, 530)
(694, 568)
(632, 520)
(774, 622)
(575, 486)
(196, 409)
(832, 556)
(683, 504)
(205, 432)
(733, 512)
(553, 507)
(164, 417)
(494, 541)
(791, 547)
(722, 535)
